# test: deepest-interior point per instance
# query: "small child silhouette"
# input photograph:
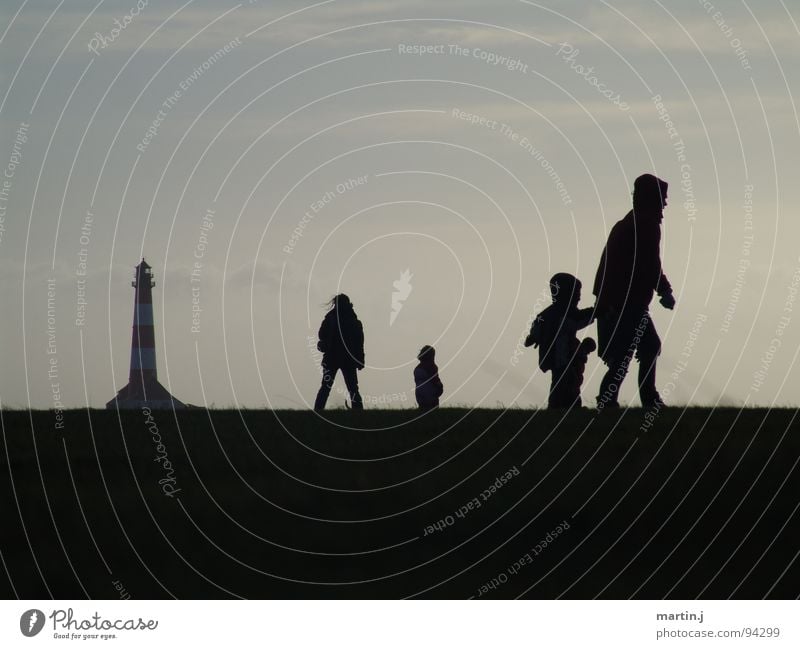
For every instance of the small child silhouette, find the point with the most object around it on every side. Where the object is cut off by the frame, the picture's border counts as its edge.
(426, 377)
(554, 332)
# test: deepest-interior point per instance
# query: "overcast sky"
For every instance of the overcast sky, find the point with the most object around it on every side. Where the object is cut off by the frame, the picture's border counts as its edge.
(203, 135)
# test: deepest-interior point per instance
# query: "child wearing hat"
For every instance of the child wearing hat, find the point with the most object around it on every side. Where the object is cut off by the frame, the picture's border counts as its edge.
(426, 378)
(554, 332)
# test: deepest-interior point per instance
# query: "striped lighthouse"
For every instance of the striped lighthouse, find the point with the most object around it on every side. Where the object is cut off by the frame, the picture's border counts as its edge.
(143, 389)
(143, 342)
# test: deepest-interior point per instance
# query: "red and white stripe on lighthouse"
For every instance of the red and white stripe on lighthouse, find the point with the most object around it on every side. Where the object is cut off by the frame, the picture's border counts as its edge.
(143, 343)
(143, 389)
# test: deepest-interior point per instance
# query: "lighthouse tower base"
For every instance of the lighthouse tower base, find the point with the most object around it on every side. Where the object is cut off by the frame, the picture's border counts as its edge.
(149, 394)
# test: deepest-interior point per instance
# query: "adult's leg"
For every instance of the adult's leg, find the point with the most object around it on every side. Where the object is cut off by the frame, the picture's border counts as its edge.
(351, 381)
(328, 374)
(611, 348)
(628, 328)
(612, 382)
(648, 351)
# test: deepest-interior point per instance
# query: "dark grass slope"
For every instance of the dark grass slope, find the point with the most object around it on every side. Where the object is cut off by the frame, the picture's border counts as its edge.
(285, 504)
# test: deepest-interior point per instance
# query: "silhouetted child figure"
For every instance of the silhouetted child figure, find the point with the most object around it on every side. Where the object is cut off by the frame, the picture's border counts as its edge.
(426, 377)
(554, 332)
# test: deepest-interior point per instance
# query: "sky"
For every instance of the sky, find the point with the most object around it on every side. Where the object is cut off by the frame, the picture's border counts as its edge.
(264, 156)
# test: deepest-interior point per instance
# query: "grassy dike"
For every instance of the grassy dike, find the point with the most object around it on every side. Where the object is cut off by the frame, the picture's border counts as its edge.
(385, 503)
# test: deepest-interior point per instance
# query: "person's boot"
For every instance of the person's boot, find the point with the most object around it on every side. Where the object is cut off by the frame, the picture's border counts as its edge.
(653, 402)
(614, 376)
(608, 405)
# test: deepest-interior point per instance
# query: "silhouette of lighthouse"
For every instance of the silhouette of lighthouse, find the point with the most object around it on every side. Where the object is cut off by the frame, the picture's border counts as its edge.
(143, 389)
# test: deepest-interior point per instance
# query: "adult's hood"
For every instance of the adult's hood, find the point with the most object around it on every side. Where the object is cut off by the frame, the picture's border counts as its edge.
(649, 193)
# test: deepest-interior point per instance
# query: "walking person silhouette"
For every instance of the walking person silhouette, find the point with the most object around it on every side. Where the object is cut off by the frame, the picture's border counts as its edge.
(341, 341)
(628, 275)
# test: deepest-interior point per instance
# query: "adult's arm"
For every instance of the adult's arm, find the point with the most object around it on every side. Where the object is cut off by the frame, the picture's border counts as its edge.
(663, 287)
(359, 351)
(585, 317)
(664, 290)
(600, 274)
(613, 272)
(324, 336)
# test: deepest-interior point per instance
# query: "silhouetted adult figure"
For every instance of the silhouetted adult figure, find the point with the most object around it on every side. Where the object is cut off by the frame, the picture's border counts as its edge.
(628, 275)
(341, 341)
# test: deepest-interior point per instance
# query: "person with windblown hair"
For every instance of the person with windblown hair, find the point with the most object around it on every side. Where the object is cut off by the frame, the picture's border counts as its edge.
(341, 341)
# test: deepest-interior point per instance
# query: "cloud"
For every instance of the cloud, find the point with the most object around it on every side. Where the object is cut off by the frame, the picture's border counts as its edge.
(637, 27)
